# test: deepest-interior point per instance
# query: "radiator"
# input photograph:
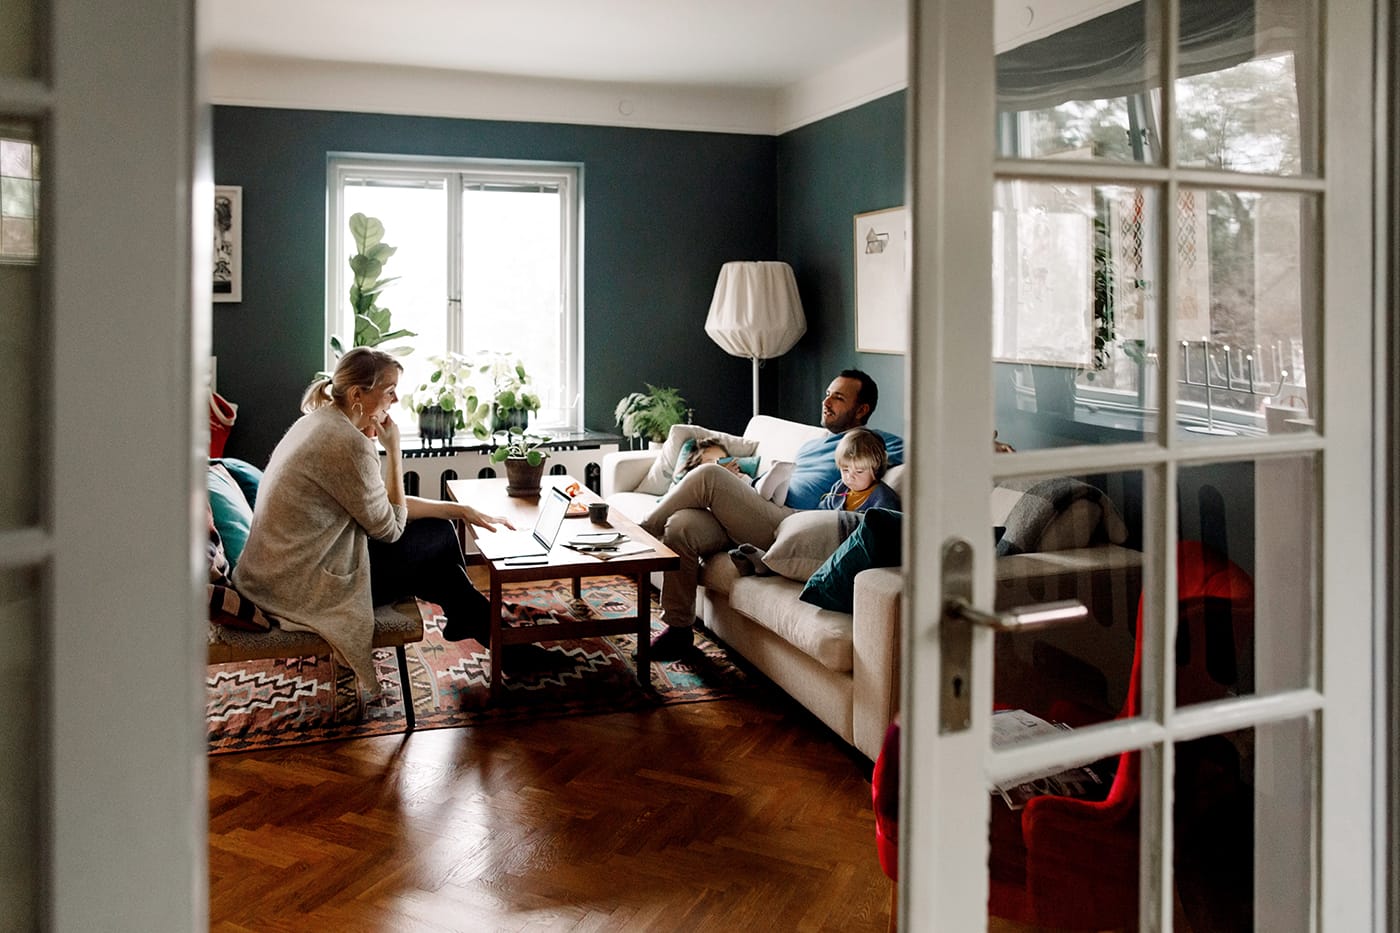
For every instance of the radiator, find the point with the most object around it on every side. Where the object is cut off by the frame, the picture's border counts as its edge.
(426, 472)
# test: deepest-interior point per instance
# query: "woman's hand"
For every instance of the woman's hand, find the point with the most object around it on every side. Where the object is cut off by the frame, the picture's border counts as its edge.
(387, 432)
(472, 517)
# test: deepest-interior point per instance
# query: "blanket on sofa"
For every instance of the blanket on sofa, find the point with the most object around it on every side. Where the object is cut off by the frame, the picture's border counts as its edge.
(1044, 502)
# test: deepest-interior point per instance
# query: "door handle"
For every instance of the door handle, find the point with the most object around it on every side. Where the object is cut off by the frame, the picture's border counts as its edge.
(1021, 619)
(955, 631)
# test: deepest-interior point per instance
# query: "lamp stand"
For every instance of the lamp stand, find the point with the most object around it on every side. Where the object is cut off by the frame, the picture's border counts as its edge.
(755, 386)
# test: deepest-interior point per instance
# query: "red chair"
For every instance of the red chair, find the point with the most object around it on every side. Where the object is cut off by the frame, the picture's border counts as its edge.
(1070, 863)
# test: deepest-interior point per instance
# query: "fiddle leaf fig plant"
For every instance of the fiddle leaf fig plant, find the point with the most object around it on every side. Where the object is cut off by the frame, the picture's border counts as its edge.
(373, 323)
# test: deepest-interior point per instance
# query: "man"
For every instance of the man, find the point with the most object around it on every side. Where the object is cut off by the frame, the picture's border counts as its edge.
(712, 508)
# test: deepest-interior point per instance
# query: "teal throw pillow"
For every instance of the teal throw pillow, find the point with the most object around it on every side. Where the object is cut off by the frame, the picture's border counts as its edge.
(748, 466)
(682, 456)
(247, 476)
(233, 516)
(875, 543)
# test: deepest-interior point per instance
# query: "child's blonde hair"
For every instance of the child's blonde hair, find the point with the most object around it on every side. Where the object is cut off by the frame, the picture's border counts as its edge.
(863, 447)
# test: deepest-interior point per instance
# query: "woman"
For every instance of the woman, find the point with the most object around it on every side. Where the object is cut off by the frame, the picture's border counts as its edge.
(310, 558)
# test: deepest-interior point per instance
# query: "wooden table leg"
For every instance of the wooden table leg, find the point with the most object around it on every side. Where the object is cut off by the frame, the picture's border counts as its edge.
(497, 643)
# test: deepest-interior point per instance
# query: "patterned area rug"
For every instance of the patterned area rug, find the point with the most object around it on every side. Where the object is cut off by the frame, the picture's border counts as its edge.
(293, 701)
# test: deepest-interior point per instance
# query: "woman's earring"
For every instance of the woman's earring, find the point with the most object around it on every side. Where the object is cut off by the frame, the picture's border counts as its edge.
(358, 410)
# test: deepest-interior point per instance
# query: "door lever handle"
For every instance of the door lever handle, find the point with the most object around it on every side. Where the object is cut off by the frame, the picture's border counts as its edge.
(955, 631)
(1021, 619)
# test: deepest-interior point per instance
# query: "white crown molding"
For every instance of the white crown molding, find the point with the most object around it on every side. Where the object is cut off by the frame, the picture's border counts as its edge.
(870, 75)
(273, 81)
(266, 81)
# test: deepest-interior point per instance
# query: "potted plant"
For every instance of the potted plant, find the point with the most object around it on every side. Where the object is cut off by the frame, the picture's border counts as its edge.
(446, 402)
(512, 398)
(651, 414)
(524, 458)
(373, 324)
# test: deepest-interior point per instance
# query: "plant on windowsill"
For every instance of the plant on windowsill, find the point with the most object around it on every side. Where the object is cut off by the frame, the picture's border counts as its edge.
(446, 402)
(373, 324)
(512, 398)
(524, 456)
(651, 414)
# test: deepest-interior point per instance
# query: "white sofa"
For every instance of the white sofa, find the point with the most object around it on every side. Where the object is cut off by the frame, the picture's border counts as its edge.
(844, 668)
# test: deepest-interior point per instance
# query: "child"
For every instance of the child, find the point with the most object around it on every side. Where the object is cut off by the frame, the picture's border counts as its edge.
(862, 458)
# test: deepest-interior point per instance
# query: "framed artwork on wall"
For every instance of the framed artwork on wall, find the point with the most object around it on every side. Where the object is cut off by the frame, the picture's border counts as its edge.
(882, 296)
(228, 243)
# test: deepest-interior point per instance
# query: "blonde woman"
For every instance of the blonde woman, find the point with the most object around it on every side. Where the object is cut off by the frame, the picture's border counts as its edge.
(333, 533)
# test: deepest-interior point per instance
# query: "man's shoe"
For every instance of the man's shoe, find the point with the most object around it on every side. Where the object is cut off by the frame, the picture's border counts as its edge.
(674, 643)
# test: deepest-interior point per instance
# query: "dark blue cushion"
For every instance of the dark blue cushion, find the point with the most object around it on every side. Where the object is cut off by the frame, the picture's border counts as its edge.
(874, 543)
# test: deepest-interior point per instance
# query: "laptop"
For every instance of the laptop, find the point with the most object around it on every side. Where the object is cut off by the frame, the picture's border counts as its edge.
(538, 541)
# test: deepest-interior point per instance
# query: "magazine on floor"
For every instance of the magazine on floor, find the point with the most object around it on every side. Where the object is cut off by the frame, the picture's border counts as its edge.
(1013, 726)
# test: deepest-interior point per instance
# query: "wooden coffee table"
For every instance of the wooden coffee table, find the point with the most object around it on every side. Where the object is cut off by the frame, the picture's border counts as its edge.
(488, 496)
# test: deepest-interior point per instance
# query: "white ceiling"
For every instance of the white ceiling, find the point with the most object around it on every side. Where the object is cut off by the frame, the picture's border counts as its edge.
(756, 44)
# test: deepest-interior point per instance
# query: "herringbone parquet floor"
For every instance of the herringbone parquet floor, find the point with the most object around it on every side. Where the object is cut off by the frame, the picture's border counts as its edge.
(734, 815)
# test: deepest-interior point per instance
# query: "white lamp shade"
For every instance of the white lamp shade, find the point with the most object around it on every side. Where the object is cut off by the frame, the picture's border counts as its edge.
(756, 312)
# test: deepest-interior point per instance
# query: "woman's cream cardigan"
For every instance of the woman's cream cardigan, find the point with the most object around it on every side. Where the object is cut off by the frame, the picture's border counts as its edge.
(307, 557)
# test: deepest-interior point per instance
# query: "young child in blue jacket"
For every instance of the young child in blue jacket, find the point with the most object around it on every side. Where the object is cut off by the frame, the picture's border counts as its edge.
(862, 458)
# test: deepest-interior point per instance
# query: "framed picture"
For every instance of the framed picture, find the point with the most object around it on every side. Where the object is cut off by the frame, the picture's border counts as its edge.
(228, 243)
(882, 294)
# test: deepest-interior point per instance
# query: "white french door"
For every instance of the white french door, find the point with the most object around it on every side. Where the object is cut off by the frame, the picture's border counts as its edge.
(1143, 252)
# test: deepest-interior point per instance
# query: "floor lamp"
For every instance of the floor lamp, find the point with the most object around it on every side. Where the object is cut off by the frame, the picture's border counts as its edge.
(756, 312)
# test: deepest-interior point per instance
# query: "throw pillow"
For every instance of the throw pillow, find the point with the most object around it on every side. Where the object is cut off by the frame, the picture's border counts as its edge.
(227, 607)
(247, 476)
(773, 484)
(806, 539)
(658, 478)
(233, 516)
(876, 543)
(219, 568)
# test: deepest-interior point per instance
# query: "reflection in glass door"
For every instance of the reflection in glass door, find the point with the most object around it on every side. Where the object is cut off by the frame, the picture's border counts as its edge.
(1157, 283)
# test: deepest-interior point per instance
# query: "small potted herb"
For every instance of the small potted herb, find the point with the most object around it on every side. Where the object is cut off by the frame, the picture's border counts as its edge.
(446, 402)
(512, 398)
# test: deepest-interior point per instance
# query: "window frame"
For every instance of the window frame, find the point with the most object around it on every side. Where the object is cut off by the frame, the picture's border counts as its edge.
(457, 175)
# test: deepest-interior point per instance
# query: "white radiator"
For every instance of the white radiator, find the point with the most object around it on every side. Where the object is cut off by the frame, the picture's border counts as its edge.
(426, 472)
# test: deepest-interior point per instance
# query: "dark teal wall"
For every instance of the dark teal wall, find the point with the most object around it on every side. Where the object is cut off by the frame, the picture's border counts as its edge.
(828, 172)
(662, 212)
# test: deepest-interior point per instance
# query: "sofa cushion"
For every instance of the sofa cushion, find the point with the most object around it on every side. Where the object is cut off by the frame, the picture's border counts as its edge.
(227, 607)
(806, 539)
(876, 543)
(635, 505)
(658, 478)
(1060, 513)
(820, 634)
(233, 516)
(247, 476)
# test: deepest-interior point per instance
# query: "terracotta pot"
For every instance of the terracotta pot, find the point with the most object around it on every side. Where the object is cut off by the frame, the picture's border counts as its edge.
(523, 480)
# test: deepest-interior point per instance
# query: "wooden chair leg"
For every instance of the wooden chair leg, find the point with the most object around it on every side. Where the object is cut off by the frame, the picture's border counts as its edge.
(405, 687)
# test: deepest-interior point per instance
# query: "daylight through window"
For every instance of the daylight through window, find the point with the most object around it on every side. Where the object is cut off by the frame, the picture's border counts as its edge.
(485, 260)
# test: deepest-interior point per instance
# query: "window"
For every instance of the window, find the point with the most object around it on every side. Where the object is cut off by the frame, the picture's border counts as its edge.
(1075, 266)
(486, 259)
(19, 195)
